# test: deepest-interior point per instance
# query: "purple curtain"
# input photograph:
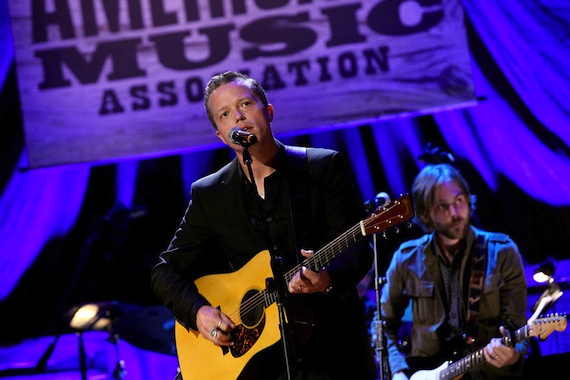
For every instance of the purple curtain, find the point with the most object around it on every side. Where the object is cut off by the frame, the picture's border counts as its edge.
(516, 141)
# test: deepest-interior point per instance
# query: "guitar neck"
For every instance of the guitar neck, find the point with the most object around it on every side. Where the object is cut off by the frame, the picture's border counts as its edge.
(329, 252)
(477, 358)
(384, 217)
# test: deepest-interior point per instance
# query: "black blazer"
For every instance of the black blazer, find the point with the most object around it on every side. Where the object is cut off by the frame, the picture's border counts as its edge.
(215, 236)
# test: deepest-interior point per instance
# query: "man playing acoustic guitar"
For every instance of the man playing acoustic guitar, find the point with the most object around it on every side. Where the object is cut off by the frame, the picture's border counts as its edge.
(464, 284)
(252, 221)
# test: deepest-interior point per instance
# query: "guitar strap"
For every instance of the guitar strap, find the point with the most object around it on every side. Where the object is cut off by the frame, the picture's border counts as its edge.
(476, 281)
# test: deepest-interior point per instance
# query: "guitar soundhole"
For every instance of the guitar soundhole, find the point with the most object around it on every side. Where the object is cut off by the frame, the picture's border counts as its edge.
(251, 312)
(253, 318)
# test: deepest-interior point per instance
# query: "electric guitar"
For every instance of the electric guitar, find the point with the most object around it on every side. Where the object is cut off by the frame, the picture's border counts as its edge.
(244, 297)
(541, 327)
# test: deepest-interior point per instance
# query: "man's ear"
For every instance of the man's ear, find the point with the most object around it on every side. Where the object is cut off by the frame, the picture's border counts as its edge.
(270, 111)
(220, 137)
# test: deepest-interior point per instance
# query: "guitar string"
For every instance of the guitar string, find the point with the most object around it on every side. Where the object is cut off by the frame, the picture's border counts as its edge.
(477, 358)
(258, 299)
(328, 252)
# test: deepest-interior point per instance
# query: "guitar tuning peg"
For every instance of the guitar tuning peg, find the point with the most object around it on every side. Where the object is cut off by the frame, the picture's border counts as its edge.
(397, 230)
(384, 236)
(409, 225)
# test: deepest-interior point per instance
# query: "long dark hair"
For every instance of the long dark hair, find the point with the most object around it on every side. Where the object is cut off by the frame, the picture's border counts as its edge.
(426, 184)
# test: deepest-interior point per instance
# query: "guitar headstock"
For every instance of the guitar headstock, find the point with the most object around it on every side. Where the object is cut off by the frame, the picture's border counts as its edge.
(388, 215)
(543, 327)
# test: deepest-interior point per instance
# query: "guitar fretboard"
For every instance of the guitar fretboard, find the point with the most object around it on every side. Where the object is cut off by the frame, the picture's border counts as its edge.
(477, 358)
(325, 255)
(319, 260)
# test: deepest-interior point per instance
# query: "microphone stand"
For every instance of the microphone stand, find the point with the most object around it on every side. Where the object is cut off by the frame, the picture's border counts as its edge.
(378, 327)
(270, 282)
(273, 288)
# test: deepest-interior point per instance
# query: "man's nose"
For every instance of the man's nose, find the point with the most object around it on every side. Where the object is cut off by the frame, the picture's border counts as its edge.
(239, 116)
(454, 209)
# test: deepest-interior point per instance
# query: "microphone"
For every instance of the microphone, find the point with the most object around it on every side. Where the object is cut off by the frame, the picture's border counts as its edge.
(241, 137)
(381, 199)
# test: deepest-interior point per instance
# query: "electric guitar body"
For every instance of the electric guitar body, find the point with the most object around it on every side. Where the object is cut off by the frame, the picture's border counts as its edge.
(541, 327)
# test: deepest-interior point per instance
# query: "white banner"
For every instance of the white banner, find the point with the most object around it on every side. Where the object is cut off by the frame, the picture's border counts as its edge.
(108, 79)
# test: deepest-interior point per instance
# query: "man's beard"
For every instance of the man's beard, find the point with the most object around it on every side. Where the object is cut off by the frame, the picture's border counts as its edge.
(457, 229)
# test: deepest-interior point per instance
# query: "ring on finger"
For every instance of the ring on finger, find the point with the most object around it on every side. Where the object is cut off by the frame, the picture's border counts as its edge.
(495, 357)
(299, 287)
(214, 333)
(219, 323)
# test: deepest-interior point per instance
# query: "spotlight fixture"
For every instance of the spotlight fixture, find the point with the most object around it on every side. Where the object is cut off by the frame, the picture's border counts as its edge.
(94, 317)
(544, 273)
(91, 316)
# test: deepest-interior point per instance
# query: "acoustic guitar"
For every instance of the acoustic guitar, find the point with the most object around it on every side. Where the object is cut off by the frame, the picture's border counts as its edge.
(244, 296)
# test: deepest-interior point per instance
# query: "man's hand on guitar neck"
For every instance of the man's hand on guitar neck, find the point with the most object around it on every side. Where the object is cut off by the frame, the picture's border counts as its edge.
(499, 355)
(214, 325)
(308, 281)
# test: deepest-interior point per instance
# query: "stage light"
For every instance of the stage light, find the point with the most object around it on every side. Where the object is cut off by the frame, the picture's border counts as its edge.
(90, 317)
(93, 317)
(544, 273)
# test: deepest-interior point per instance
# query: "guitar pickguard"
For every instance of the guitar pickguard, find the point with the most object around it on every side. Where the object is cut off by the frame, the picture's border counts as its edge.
(244, 338)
